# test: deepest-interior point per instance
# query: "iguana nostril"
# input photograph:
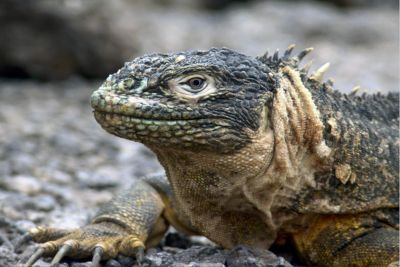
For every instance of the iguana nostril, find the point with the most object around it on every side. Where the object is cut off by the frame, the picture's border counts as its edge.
(143, 85)
(125, 84)
(129, 83)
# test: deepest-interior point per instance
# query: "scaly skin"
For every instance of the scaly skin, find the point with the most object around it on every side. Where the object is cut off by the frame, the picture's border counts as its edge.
(255, 151)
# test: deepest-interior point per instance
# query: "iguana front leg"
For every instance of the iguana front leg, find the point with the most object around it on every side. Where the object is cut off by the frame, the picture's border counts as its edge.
(338, 241)
(132, 220)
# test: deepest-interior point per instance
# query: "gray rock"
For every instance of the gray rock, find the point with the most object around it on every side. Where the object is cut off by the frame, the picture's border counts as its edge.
(247, 257)
(41, 263)
(212, 256)
(112, 263)
(201, 255)
(22, 162)
(7, 257)
(5, 169)
(222, 4)
(24, 225)
(126, 261)
(81, 264)
(43, 203)
(52, 39)
(158, 259)
(98, 179)
(56, 176)
(23, 184)
(369, 3)
(177, 240)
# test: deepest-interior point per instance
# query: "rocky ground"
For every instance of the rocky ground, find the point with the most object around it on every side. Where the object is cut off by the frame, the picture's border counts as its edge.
(57, 165)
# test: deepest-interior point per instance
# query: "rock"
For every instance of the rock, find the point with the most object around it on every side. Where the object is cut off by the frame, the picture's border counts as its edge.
(158, 259)
(81, 264)
(24, 225)
(177, 240)
(126, 261)
(23, 184)
(22, 162)
(5, 169)
(56, 176)
(100, 179)
(113, 263)
(223, 4)
(43, 203)
(7, 257)
(369, 3)
(213, 256)
(25, 208)
(50, 40)
(201, 255)
(41, 263)
(247, 257)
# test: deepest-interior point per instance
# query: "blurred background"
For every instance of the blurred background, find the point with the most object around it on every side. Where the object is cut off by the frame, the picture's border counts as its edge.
(59, 39)
(57, 164)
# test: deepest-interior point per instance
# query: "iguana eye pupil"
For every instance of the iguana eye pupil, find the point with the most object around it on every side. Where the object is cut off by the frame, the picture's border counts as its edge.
(196, 83)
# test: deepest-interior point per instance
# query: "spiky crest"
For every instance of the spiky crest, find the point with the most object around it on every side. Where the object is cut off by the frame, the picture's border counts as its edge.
(275, 62)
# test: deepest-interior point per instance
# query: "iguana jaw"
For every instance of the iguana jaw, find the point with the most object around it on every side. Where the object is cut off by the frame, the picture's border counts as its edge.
(192, 134)
(163, 125)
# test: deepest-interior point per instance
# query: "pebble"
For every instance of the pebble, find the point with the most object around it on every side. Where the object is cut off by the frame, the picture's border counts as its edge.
(159, 259)
(113, 263)
(24, 225)
(7, 257)
(44, 203)
(98, 180)
(24, 184)
(244, 256)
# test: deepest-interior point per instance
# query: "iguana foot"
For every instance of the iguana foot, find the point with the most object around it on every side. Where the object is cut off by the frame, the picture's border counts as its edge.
(100, 241)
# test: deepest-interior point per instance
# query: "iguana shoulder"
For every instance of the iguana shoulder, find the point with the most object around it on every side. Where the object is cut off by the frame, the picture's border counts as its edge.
(361, 131)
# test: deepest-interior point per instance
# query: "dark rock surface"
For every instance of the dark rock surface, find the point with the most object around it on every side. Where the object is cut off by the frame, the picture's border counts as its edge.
(57, 165)
(56, 39)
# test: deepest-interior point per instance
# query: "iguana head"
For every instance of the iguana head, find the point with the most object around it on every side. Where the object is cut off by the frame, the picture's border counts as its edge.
(196, 100)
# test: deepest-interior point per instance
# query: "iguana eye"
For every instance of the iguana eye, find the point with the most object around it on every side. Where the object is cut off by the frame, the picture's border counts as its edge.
(197, 83)
(193, 86)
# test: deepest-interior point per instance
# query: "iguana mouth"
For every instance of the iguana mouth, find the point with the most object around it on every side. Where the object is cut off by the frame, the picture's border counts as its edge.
(150, 122)
(143, 119)
(109, 119)
(139, 108)
(160, 132)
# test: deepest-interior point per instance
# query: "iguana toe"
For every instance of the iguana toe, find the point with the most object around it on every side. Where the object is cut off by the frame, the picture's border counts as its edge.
(44, 234)
(100, 241)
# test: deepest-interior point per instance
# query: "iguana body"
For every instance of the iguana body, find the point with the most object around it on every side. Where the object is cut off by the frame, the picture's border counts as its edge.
(254, 150)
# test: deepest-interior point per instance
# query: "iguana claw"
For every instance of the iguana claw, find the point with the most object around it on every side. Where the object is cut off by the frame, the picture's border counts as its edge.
(100, 241)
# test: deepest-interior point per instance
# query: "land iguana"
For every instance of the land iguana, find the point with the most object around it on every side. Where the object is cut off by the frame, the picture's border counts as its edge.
(255, 150)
